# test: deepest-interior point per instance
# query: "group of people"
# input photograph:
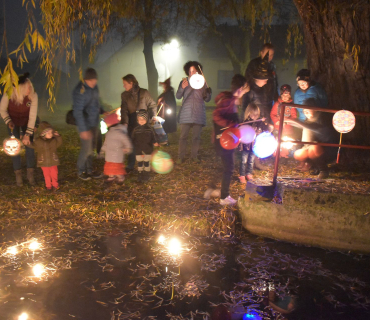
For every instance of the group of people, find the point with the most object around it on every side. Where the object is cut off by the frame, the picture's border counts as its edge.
(255, 96)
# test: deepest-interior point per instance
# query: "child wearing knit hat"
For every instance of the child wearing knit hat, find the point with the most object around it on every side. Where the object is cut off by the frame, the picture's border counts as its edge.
(144, 139)
(46, 147)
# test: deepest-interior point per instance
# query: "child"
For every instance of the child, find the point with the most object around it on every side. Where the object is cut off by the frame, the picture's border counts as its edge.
(252, 113)
(285, 96)
(116, 145)
(225, 115)
(46, 147)
(143, 138)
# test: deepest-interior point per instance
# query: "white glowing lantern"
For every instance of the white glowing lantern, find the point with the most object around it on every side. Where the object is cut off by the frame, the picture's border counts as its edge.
(161, 239)
(103, 127)
(197, 81)
(38, 270)
(34, 245)
(169, 111)
(23, 316)
(12, 146)
(344, 121)
(12, 250)
(174, 246)
(265, 145)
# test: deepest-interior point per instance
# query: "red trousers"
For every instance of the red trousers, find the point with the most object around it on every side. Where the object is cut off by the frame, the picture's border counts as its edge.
(50, 176)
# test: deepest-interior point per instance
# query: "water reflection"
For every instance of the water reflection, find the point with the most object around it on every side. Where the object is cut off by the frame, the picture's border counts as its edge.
(126, 275)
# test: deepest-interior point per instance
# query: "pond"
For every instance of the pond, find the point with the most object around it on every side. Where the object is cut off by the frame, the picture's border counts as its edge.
(125, 274)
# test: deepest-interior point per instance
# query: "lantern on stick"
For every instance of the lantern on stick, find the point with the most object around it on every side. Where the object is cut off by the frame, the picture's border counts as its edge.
(230, 138)
(264, 145)
(247, 134)
(343, 121)
(197, 81)
(12, 146)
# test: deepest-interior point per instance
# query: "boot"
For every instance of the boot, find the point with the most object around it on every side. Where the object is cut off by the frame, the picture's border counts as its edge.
(30, 177)
(18, 177)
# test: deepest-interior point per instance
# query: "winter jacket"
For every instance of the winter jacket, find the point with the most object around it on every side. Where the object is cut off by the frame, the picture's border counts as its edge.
(21, 115)
(193, 109)
(143, 138)
(116, 139)
(259, 96)
(315, 92)
(272, 86)
(169, 105)
(225, 115)
(130, 104)
(289, 113)
(86, 106)
(46, 150)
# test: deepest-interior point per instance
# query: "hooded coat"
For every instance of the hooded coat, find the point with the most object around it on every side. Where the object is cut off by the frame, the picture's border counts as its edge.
(116, 140)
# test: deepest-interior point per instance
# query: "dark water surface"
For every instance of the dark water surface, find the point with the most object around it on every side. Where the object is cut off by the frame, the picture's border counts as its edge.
(127, 275)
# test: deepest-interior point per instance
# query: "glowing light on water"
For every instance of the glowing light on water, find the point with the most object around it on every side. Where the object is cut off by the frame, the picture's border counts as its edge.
(34, 245)
(174, 246)
(38, 270)
(251, 315)
(161, 239)
(23, 316)
(12, 250)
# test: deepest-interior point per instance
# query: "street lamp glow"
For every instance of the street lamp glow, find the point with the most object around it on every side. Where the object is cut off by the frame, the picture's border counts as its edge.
(12, 250)
(23, 316)
(38, 270)
(34, 245)
(174, 246)
(174, 44)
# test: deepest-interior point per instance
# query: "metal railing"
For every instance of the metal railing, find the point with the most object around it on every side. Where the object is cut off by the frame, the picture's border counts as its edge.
(281, 125)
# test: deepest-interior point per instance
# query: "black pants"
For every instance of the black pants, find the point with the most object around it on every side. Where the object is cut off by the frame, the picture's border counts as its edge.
(227, 168)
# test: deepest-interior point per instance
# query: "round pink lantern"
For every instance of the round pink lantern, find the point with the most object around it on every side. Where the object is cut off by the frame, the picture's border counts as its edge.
(247, 134)
(344, 121)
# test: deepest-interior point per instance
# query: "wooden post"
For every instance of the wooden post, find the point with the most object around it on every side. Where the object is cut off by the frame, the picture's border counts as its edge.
(277, 155)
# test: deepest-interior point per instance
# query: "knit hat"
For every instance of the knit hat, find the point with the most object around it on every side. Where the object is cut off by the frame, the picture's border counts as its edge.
(285, 88)
(90, 74)
(303, 75)
(44, 127)
(142, 113)
(22, 79)
(261, 72)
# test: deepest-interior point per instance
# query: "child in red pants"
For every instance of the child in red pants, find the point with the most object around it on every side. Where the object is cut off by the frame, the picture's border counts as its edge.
(46, 147)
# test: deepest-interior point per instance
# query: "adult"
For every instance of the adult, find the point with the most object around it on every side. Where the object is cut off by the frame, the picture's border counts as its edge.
(168, 110)
(271, 87)
(86, 110)
(260, 95)
(20, 114)
(134, 99)
(192, 113)
(321, 128)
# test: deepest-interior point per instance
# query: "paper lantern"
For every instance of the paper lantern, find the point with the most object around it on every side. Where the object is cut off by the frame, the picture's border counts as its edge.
(103, 127)
(12, 146)
(247, 134)
(230, 138)
(113, 118)
(344, 121)
(264, 145)
(196, 81)
(162, 162)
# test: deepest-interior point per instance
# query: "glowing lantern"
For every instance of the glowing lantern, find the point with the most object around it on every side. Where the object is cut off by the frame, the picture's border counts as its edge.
(169, 111)
(247, 134)
(12, 146)
(103, 127)
(38, 270)
(162, 162)
(344, 121)
(197, 81)
(265, 145)
(230, 138)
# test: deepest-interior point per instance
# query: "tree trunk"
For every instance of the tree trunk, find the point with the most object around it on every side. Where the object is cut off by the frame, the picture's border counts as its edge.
(337, 37)
(151, 69)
